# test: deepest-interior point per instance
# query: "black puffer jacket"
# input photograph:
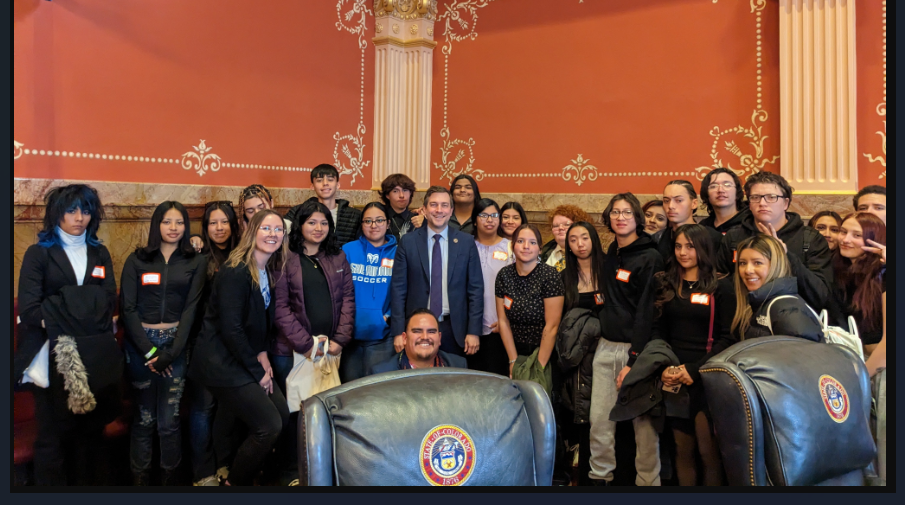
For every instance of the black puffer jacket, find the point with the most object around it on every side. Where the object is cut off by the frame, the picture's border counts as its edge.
(576, 344)
(348, 220)
(809, 256)
(789, 315)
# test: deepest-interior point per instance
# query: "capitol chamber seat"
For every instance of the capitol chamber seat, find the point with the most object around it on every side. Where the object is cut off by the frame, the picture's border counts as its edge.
(438, 426)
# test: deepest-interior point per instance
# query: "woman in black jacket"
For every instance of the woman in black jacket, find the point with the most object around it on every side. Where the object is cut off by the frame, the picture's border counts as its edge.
(583, 281)
(68, 253)
(695, 305)
(231, 351)
(767, 301)
(161, 285)
(219, 236)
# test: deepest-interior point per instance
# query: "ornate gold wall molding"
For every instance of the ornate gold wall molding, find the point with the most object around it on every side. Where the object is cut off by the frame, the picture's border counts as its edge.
(353, 164)
(406, 9)
(201, 160)
(881, 107)
(818, 100)
(751, 160)
(460, 20)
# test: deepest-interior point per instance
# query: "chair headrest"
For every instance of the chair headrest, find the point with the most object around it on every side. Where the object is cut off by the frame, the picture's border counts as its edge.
(814, 400)
(431, 426)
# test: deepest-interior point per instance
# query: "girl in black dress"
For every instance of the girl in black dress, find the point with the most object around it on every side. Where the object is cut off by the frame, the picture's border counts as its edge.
(694, 309)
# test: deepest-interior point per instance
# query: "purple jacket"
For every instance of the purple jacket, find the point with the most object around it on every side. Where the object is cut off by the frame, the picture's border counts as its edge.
(292, 325)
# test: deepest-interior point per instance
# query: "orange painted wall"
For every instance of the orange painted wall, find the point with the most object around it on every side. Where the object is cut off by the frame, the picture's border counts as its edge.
(266, 83)
(636, 87)
(871, 54)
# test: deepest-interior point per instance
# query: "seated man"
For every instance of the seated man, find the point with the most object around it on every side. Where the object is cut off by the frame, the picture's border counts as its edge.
(422, 346)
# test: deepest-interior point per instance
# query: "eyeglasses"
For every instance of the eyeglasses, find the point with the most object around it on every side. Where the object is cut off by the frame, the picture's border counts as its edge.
(768, 198)
(724, 184)
(267, 229)
(614, 214)
(492, 215)
(370, 222)
(561, 226)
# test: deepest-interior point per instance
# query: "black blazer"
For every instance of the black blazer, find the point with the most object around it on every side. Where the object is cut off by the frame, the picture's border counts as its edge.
(236, 329)
(45, 270)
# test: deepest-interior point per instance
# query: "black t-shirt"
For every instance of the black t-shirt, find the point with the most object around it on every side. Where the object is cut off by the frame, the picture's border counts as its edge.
(318, 304)
(524, 297)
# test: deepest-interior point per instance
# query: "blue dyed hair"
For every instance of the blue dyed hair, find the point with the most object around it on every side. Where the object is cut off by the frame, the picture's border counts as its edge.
(59, 201)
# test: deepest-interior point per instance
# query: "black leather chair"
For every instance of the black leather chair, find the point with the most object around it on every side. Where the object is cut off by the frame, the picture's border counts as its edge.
(439, 426)
(790, 412)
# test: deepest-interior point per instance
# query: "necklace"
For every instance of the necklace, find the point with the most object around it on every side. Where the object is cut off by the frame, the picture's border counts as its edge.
(691, 284)
(311, 260)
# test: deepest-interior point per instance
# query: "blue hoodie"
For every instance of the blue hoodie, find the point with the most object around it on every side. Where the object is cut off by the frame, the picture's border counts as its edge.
(372, 268)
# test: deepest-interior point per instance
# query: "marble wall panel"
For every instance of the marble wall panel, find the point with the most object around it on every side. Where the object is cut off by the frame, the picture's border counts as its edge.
(24, 235)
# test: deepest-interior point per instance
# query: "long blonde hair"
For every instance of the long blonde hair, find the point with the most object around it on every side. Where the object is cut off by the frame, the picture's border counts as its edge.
(771, 249)
(244, 252)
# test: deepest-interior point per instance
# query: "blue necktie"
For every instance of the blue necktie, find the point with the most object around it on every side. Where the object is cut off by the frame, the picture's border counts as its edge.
(436, 278)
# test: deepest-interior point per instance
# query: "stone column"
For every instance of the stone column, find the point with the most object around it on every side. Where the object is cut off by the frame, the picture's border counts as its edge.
(818, 95)
(402, 92)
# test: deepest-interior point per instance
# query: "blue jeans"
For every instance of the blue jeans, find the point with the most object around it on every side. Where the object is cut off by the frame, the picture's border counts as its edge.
(201, 429)
(360, 355)
(157, 399)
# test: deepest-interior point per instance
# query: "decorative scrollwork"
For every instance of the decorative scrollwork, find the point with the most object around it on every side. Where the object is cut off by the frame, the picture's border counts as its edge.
(406, 9)
(360, 8)
(460, 21)
(880, 159)
(756, 5)
(201, 160)
(17, 149)
(750, 163)
(449, 163)
(355, 163)
(579, 167)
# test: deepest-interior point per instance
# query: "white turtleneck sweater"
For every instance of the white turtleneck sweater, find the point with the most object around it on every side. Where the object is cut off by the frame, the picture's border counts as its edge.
(77, 250)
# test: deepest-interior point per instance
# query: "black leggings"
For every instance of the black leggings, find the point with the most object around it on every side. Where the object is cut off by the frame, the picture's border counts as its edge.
(265, 416)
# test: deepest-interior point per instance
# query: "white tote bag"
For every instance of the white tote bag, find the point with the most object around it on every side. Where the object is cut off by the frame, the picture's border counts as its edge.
(310, 376)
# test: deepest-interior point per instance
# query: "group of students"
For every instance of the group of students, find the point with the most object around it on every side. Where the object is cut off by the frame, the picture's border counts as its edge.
(225, 312)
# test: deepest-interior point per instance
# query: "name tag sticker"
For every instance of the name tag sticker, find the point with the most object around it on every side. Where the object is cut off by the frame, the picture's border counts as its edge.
(387, 263)
(623, 275)
(500, 255)
(150, 279)
(598, 299)
(734, 256)
(507, 302)
(98, 272)
(700, 298)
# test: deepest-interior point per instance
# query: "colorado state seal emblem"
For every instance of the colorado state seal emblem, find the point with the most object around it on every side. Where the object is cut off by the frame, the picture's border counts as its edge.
(447, 456)
(835, 399)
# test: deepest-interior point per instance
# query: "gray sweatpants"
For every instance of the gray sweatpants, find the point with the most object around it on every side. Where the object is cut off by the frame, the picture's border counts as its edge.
(609, 360)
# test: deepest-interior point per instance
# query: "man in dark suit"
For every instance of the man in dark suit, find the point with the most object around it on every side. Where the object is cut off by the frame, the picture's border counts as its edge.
(422, 347)
(438, 267)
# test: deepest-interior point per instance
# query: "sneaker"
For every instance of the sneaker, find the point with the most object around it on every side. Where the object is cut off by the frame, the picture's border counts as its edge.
(141, 479)
(222, 474)
(210, 480)
(295, 482)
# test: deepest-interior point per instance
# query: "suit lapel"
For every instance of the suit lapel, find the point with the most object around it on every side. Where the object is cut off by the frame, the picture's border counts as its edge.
(92, 261)
(58, 255)
(453, 254)
(421, 235)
